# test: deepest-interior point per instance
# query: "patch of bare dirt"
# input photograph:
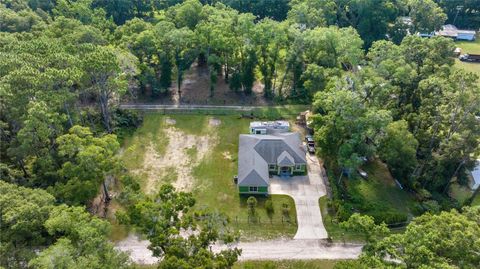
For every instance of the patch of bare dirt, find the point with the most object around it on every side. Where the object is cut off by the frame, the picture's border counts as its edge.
(195, 90)
(227, 155)
(156, 166)
(214, 122)
(170, 121)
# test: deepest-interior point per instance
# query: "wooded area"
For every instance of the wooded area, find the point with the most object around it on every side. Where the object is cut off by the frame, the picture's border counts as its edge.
(377, 92)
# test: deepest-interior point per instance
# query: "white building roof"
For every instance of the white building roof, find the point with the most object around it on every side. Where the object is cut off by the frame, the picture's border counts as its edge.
(476, 175)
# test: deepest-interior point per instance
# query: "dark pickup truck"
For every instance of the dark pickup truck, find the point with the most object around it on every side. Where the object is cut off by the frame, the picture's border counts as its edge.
(469, 57)
(310, 144)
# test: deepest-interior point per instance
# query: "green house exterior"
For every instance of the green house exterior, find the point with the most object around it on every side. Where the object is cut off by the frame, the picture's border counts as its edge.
(262, 156)
(253, 189)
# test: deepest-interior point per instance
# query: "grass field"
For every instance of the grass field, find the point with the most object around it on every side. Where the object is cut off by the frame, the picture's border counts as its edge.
(374, 196)
(460, 193)
(286, 264)
(469, 47)
(380, 190)
(213, 185)
(476, 200)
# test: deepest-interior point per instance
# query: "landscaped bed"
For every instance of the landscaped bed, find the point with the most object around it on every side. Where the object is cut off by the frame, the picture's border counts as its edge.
(204, 163)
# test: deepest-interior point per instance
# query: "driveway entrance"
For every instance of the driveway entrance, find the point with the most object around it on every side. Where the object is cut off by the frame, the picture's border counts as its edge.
(305, 191)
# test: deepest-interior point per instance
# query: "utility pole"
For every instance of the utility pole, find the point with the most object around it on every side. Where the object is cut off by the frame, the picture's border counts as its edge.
(456, 15)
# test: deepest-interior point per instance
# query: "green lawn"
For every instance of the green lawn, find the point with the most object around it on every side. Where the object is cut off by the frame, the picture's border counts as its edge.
(460, 193)
(213, 187)
(286, 264)
(476, 200)
(380, 190)
(469, 46)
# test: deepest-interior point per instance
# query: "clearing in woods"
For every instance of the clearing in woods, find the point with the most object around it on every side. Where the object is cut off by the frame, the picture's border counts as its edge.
(199, 154)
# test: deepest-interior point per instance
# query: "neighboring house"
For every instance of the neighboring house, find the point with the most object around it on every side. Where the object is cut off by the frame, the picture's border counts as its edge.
(476, 176)
(259, 156)
(451, 31)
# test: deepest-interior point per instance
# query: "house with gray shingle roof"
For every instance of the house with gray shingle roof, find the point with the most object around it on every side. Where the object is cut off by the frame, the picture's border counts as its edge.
(263, 155)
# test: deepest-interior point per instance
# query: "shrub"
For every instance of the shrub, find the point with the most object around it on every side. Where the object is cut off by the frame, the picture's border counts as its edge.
(269, 208)
(389, 217)
(344, 212)
(431, 206)
(252, 204)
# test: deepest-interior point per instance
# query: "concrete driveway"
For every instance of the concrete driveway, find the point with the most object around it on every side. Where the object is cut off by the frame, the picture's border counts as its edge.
(305, 191)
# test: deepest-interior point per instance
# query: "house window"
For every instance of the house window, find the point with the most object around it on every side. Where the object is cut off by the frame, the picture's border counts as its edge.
(272, 167)
(254, 189)
(298, 167)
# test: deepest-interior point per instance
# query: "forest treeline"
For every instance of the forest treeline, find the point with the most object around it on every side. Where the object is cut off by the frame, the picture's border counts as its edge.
(66, 65)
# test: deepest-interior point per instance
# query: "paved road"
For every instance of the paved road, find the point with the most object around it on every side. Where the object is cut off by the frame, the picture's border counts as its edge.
(305, 191)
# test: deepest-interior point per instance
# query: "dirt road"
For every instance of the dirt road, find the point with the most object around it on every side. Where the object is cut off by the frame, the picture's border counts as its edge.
(296, 249)
(154, 107)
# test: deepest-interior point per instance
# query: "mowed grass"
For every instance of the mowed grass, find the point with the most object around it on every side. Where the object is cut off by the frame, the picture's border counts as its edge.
(379, 193)
(214, 187)
(460, 193)
(380, 190)
(286, 264)
(476, 200)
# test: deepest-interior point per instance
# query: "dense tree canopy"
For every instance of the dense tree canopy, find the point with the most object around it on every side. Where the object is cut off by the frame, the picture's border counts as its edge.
(179, 235)
(377, 91)
(447, 240)
(72, 237)
(425, 96)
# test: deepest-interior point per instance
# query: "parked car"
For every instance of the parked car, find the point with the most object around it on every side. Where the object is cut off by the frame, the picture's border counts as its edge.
(310, 144)
(470, 58)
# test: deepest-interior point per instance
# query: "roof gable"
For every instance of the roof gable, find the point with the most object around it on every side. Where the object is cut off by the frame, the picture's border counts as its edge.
(253, 179)
(285, 159)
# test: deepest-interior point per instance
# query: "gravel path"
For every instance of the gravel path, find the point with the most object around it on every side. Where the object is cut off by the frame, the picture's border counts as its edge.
(296, 249)
(190, 107)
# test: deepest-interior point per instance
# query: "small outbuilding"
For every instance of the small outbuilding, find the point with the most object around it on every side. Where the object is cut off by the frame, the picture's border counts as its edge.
(269, 127)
